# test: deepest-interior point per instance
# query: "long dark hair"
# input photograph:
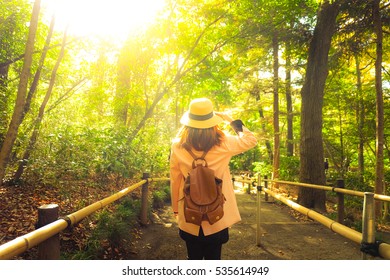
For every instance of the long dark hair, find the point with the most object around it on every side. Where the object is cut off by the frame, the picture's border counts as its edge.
(201, 139)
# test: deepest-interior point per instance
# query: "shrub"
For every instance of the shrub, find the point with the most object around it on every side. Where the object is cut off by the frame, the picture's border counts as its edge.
(289, 168)
(112, 231)
(160, 197)
(265, 169)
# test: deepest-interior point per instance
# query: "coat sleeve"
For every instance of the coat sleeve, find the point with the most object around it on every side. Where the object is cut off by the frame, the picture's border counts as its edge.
(243, 141)
(177, 179)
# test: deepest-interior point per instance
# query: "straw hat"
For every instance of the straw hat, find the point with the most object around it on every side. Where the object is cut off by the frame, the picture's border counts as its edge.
(200, 114)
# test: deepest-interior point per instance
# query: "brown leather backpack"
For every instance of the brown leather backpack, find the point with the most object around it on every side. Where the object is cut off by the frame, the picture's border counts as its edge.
(203, 197)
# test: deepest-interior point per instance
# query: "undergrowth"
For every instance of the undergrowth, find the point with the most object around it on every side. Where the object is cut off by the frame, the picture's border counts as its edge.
(113, 229)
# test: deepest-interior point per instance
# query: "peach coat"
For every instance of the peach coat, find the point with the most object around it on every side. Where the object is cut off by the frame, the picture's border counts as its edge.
(218, 159)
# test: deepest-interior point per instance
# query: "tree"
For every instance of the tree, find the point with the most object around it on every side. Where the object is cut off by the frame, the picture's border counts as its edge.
(276, 157)
(379, 170)
(256, 93)
(289, 104)
(312, 93)
(360, 118)
(41, 113)
(20, 102)
(189, 56)
(13, 31)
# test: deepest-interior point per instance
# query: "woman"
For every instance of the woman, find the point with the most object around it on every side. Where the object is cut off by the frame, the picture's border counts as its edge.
(201, 133)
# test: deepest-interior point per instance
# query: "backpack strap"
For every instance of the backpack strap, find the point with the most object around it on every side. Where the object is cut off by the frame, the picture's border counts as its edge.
(188, 148)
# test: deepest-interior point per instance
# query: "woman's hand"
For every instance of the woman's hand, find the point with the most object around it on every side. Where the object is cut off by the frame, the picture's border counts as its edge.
(224, 116)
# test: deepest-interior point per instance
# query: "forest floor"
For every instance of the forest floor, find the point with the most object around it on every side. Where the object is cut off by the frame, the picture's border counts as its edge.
(19, 210)
(285, 235)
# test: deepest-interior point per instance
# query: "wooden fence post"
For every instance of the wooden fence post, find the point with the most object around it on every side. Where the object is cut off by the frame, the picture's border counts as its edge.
(368, 227)
(50, 248)
(144, 201)
(258, 227)
(340, 202)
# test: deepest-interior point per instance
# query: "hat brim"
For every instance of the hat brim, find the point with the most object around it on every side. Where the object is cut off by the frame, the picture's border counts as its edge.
(211, 122)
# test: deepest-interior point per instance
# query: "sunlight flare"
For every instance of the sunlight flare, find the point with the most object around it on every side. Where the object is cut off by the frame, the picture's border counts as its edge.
(114, 18)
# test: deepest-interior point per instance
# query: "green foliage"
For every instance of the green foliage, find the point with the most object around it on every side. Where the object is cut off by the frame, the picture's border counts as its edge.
(263, 168)
(13, 34)
(82, 152)
(112, 230)
(353, 181)
(160, 197)
(243, 162)
(289, 168)
(387, 179)
(13, 28)
(114, 154)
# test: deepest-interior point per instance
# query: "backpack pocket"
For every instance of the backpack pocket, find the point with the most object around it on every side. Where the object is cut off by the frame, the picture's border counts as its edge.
(193, 216)
(215, 215)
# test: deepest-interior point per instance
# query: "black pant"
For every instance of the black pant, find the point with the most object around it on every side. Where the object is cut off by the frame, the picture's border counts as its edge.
(205, 247)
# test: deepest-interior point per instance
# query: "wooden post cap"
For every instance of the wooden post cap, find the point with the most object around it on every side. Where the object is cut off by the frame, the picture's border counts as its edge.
(48, 206)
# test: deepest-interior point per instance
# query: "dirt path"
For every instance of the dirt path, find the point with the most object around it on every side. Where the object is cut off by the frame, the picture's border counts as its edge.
(283, 237)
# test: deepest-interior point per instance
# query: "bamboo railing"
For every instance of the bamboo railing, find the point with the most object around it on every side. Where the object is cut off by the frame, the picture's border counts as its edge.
(368, 235)
(36, 237)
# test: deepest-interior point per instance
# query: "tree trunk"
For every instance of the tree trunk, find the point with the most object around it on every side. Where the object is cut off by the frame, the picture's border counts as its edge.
(4, 97)
(276, 162)
(256, 93)
(311, 145)
(123, 89)
(379, 178)
(21, 94)
(37, 76)
(5, 42)
(343, 158)
(34, 136)
(149, 112)
(290, 116)
(360, 119)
